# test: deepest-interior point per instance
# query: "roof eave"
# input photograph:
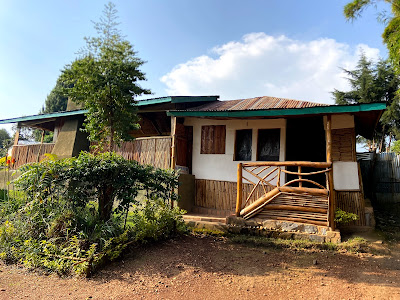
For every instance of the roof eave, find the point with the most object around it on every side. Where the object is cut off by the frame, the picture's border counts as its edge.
(44, 116)
(332, 109)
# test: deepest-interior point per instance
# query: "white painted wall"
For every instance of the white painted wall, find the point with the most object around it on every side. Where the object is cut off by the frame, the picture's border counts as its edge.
(223, 166)
(345, 174)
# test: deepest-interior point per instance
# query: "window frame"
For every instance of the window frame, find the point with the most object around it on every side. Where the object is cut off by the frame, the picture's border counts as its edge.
(258, 143)
(235, 153)
(217, 144)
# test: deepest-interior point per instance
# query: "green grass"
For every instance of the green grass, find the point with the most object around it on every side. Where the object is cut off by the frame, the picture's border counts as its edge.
(355, 245)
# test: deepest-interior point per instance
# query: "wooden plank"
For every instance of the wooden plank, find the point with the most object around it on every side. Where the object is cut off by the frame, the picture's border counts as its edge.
(295, 208)
(289, 164)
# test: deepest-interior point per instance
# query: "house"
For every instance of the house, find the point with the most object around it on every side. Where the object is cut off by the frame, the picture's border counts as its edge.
(263, 158)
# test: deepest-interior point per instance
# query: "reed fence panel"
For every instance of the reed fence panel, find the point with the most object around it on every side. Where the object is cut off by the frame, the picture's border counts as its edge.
(25, 154)
(155, 151)
(381, 177)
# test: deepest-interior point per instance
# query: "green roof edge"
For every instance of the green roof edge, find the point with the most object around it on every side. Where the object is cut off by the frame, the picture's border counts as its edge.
(168, 99)
(44, 116)
(282, 112)
(176, 99)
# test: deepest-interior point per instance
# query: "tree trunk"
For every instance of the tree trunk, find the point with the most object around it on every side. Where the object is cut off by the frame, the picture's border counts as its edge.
(111, 146)
(106, 201)
(382, 140)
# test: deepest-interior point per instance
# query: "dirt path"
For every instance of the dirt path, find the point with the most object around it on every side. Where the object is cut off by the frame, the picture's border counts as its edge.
(204, 268)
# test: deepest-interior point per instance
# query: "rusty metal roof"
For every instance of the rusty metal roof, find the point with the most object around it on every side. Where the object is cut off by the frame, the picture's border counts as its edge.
(255, 104)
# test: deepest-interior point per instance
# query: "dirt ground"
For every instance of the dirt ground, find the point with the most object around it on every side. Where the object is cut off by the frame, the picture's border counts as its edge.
(206, 268)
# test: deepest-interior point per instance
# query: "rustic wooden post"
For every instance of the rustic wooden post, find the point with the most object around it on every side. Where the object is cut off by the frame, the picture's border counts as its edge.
(40, 147)
(332, 204)
(16, 137)
(300, 177)
(239, 190)
(173, 149)
(278, 180)
(173, 143)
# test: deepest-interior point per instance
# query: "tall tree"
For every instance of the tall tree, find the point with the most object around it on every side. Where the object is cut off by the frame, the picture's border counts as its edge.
(56, 101)
(5, 142)
(391, 34)
(105, 80)
(375, 83)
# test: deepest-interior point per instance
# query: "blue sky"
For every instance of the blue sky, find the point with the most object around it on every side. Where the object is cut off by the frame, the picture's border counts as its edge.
(236, 49)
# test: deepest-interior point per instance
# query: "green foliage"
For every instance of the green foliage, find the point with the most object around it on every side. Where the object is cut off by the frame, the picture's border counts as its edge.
(56, 101)
(344, 217)
(355, 245)
(5, 142)
(54, 223)
(375, 83)
(153, 220)
(103, 177)
(104, 79)
(396, 147)
(391, 34)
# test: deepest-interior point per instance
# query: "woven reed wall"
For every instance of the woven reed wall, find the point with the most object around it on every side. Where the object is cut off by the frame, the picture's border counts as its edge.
(344, 149)
(155, 151)
(25, 154)
(221, 195)
(352, 202)
(343, 144)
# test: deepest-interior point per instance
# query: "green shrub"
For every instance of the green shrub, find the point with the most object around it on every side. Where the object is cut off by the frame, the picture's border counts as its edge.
(56, 223)
(103, 178)
(344, 217)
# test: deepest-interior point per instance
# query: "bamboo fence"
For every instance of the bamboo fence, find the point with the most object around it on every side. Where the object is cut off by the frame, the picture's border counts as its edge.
(155, 151)
(25, 154)
(221, 195)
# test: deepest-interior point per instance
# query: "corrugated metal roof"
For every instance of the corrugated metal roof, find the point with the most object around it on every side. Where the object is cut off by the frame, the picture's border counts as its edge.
(258, 103)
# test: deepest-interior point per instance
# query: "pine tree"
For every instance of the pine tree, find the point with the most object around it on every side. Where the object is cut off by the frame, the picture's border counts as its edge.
(105, 80)
(375, 83)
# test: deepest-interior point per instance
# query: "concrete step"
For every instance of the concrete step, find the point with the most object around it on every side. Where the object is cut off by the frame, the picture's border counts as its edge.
(200, 218)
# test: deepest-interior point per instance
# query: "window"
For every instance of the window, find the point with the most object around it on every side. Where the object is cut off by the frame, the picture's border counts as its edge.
(268, 144)
(243, 144)
(213, 139)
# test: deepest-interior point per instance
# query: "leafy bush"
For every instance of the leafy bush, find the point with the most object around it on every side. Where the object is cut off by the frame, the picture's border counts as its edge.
(56, 223)
(344, 217)
(103, 177)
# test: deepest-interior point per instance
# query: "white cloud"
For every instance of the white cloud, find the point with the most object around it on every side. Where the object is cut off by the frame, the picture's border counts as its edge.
(263, 65)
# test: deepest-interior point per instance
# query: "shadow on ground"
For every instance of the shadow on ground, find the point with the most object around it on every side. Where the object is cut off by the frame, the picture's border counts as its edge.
(194, 255)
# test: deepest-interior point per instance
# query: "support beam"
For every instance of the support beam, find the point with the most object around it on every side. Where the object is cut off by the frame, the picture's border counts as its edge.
(239, 189)
(173, 143)
(288, 164)
(16, 137)
(41, 144)
(173, 149)
(332, 204)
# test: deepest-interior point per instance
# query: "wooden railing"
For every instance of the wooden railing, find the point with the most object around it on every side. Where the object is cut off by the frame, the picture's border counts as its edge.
(302, 193)
(24, 154)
